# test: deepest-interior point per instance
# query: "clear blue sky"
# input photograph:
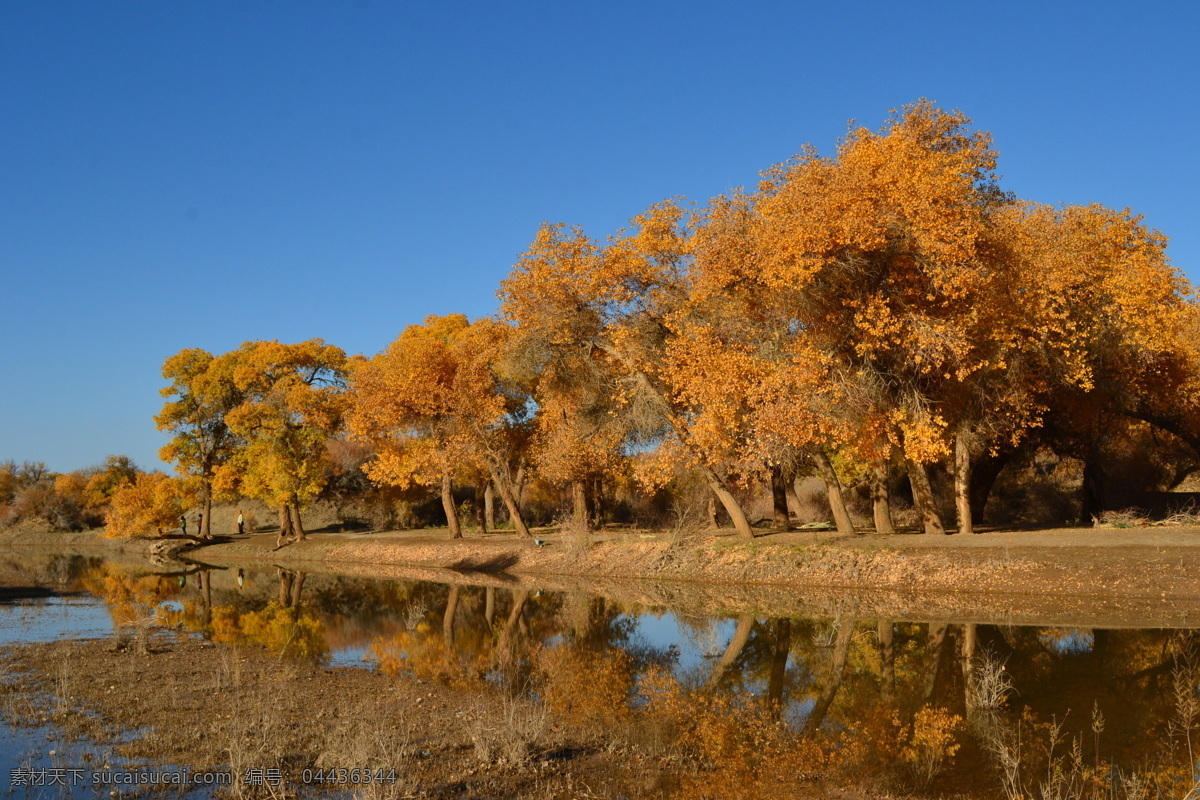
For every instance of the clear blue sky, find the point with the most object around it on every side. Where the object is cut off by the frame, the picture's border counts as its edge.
(200, 174)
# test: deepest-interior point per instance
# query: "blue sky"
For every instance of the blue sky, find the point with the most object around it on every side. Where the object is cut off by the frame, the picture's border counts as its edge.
(200, 174)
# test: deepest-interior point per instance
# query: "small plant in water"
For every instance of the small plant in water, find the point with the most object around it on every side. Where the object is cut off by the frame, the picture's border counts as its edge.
(931, 743)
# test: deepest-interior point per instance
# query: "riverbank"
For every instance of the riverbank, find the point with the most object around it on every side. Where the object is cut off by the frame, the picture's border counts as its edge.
(1098, 577)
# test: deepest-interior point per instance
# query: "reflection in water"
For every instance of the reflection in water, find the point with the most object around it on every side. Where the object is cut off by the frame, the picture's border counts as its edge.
(927, 707)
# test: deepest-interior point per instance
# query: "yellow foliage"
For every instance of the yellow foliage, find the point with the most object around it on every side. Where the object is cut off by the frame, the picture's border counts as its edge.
(931, 742)
(148, 506)
(290, 631)
(586, 687)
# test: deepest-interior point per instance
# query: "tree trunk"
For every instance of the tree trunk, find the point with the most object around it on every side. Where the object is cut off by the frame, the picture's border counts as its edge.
(285, 527)
(297, 525)
(966, 657)
(841, 648)
(779, 506)
(489, 605)
(984, 473)
(732, 507)
(206, 601)
(517, 487)
(881, 506)
(833, 487)
(448, 507)
(887, 661)
(502, 655)
(597, 499)
(712, 512)
(286, 577)
(489, 507)
(297, 588)
(206, 526)
(510, 502)
(933, 665)
(480, 516)
(923, 498)
(783, 646)
(448, 618)
(962, 482)
(1093, 504)
(579, 499)
(738, 643)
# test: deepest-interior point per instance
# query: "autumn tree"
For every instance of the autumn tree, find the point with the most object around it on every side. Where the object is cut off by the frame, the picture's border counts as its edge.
(436, 404)
(202, 392)
(147, 505)
(291, 402)
(604, 311)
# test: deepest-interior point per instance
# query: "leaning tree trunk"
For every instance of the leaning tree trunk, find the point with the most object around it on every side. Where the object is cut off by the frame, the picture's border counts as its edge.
(732, 507)
(918, 476)
(579, 500)
(741, 636)
(448, 618)
(297, 588)
(285, 527)
(502, 655)
(297, 525)
(448, 507)
(841, 648)
(779, 506)
(837, 503)
(712, 512)
(881, 507)
(962, 482)
(510, 502)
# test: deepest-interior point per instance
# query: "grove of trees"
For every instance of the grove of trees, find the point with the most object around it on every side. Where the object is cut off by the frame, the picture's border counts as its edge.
(886, 319)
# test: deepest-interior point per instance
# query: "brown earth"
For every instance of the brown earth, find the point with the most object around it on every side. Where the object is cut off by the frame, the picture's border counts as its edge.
(1086, 577)
(217, 707)
(1143, 577)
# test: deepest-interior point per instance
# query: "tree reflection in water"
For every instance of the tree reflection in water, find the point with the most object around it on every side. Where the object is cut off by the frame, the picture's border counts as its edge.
(783, 702)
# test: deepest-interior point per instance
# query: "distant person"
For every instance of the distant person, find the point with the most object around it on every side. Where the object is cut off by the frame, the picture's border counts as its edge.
(183, 524)
(241, 578)
(241, 522)
(200, 524)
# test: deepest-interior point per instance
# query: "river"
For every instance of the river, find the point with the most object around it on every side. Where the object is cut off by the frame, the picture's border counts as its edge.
(923, 707)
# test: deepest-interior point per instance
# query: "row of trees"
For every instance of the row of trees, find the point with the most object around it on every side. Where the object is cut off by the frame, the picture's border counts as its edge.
(29, 492)
(879, 311)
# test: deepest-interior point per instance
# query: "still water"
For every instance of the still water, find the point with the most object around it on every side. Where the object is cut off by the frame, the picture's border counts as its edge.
(937, 706)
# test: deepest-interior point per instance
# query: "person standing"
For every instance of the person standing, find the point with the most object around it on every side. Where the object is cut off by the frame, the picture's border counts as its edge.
(241, 522)
(200, 524)
(183, 523)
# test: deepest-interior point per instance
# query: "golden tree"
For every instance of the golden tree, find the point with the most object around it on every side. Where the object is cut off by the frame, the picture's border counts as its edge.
(435, 404)
(147, 506)
(201, 393)
(292, 401)
(601, 314)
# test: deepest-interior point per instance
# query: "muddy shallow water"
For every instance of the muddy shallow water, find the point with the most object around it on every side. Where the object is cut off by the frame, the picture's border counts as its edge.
(493, 688)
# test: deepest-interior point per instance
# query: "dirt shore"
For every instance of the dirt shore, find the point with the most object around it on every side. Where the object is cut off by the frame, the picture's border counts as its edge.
(217, 707)
(1145, 577)
(1087, 577)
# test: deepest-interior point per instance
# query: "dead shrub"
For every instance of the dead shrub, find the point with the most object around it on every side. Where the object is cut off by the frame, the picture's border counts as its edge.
(510, 736)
